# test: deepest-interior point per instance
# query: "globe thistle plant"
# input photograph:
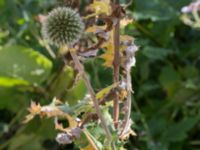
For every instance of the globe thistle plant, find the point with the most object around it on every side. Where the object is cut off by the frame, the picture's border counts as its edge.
(63, 26)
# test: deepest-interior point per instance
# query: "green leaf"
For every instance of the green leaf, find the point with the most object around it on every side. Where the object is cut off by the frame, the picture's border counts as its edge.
(164, 37)
(62, 83)
(24, 142)
(12, 99)
(9, 82)
(178, 132)
(2, 2)
(77, 93)
(178, 4)
(154, 10)
(170, 80)
(156, 53)
(24, 64)
(43, 128)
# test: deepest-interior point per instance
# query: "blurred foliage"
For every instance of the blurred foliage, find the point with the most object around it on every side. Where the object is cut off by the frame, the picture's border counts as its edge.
(166, 80)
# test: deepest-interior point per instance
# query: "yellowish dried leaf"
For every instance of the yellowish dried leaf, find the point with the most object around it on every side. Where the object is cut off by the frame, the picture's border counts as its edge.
(56, 102)
(108, 56)
(48, 111)
(105, 91)
(101, 7)
(95, 29)
(72, 121)
(123, 94)
(128, 134)
(60, 127)
(108, 59)
(122, 148)
(28, 118)
(34, 109)
(72, 124)
(125, 38)
(127, 131)
(124, 22)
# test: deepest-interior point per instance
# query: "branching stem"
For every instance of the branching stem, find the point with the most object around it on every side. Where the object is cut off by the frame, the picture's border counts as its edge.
(80, 68)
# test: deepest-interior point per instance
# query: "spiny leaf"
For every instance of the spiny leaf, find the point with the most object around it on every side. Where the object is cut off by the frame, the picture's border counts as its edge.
(47, 111)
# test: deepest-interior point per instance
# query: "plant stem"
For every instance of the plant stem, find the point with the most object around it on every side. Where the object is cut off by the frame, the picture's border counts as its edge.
(126, 124)
(45, 45)
(116, 69)
(80, 68)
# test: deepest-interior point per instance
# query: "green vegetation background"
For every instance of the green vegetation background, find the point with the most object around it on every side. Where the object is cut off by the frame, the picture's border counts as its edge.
(166, 79)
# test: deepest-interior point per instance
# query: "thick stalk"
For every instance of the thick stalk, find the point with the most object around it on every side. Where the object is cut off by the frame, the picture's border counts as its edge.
(80, 68)
(116, 68)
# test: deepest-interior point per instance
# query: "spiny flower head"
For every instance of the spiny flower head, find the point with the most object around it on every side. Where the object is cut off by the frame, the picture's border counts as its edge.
(63, 26)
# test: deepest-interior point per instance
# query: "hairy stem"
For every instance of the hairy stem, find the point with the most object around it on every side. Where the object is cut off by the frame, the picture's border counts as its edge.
(126, 124)
(80, 68)
(116, 69)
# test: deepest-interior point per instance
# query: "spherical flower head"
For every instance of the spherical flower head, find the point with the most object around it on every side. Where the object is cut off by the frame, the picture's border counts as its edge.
(63, 26)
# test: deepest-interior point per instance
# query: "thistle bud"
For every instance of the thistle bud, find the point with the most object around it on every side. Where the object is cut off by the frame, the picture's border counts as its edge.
(63, 26)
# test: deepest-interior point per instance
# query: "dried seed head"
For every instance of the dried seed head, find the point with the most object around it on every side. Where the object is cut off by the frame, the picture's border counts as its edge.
(63, 138)
(76, 132)
(63, 26)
